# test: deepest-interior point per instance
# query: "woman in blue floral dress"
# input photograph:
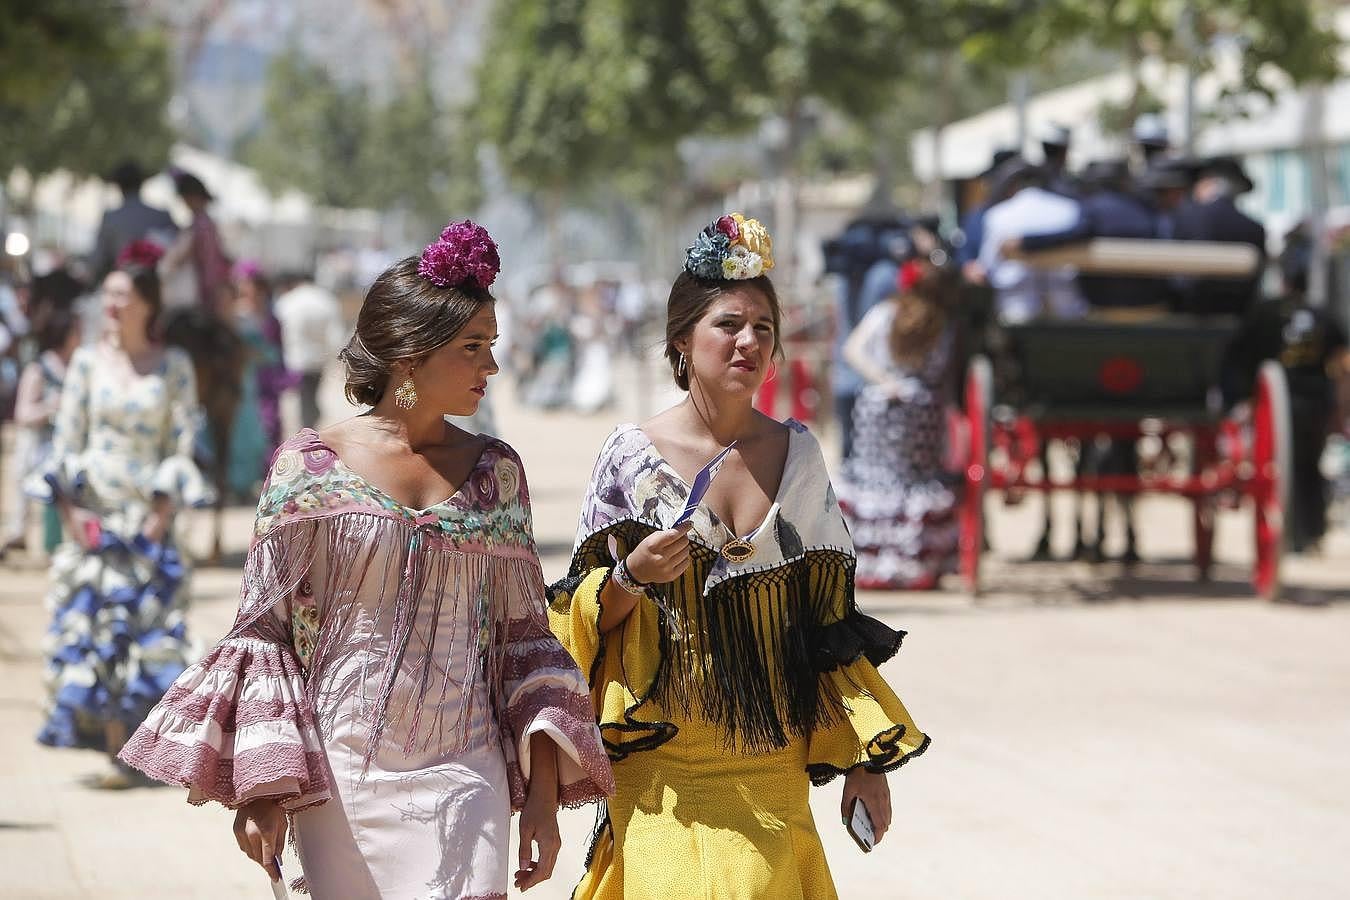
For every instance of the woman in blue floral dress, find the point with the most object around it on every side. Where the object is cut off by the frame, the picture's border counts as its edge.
(121, 465)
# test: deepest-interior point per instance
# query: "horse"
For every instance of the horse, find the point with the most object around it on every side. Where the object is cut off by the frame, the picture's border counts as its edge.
(219, 356)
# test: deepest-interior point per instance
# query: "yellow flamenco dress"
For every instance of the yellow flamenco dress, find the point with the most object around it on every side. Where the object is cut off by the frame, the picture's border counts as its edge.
(724, 696)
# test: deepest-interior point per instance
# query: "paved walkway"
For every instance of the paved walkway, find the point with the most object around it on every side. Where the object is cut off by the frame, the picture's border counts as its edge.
(1097, 733)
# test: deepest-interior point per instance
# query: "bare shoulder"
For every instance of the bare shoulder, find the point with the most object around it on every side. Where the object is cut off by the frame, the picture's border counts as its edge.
(340, 435)
(666, 424)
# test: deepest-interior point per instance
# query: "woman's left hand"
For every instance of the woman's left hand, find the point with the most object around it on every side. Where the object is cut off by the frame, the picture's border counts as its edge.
(538, 825)
(872, 789)
(156, 528)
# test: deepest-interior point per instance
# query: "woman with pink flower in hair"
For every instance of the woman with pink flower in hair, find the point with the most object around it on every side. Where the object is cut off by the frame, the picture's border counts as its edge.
(121, 464)
(390, 691)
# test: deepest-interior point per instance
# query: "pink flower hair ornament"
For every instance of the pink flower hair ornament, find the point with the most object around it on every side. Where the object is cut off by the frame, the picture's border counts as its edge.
(464, 254)
(140, 253)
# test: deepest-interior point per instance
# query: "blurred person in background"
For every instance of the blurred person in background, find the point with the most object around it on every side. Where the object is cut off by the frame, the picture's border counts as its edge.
(900, 509)
(593, 386)
(1055, 142)
(553, 354)
(972, 222)
(56, 327)
(867, 258)
(312, 332)
(1212, 215)
(121, 465)
(132, 221)
(1023, 293)
(200, 248)
(1310, 343)
(1150, 140)
(1110, 209)
(257, 424)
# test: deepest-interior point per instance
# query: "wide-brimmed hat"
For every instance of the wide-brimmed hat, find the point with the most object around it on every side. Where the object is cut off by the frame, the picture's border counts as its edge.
(1167, 173)
(1055, 135)
(1230, 168)
(189, 185)
(1001, 155)
(1102, 172)
(1010, 173)
(1150, 130)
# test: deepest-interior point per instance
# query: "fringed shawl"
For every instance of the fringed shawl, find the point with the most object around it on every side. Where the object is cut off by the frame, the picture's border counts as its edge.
(741, 645)
(325, 536)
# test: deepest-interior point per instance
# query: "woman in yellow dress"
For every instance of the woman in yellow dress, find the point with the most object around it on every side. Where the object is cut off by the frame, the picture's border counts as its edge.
(729, 665)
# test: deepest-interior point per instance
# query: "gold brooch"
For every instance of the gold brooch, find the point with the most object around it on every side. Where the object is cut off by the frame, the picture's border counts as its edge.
(737, 550)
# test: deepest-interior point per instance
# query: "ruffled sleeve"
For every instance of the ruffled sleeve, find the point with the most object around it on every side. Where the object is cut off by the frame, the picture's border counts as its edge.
(177, 475)
(543, 691)
(239, 725)
(236, 727)
(874, 730)
(62, 472)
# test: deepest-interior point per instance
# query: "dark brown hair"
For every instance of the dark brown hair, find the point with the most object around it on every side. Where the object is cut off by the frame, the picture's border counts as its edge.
(920, 316)
(690, 298)
(53, 324)
(404, 317)
(145, 282)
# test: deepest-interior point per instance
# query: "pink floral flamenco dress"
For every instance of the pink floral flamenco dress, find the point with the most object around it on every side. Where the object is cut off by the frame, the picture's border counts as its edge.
(383, 679)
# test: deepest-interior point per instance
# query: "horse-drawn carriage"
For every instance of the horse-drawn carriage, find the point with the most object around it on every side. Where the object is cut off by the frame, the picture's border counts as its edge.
(1081, 381)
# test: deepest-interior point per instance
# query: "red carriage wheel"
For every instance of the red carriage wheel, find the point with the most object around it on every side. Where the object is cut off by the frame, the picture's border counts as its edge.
(1272, 457)
(979, 400)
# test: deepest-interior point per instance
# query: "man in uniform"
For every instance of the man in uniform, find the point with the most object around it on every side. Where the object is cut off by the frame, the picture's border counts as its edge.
(1055, 153)
(1212, 215)
(133, 220)
(1110, 210)
(1311, 346)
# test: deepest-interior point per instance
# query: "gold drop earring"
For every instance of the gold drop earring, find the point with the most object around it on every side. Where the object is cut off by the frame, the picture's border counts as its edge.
(405, 395)
(682, 365)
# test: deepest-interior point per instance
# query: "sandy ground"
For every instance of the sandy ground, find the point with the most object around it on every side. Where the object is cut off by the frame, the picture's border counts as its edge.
(1097, 733)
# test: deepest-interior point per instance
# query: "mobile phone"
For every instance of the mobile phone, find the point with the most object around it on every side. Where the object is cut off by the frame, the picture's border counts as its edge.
(279, 891)
(860, 826)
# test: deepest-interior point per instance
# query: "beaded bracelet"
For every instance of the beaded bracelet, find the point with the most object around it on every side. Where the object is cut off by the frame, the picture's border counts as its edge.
(624, 579)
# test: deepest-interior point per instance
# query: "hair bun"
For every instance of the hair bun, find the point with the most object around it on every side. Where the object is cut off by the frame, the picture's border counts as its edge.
(464, 254)
(730, 248)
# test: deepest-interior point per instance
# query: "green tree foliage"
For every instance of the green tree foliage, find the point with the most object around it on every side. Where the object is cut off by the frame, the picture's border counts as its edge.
(335, 143)
(80, 101)
(313, 133)
(1293, 36)
(534, 96)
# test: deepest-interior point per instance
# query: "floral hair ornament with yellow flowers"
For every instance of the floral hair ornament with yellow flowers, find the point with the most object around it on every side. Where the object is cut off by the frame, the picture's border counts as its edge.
(731, 248)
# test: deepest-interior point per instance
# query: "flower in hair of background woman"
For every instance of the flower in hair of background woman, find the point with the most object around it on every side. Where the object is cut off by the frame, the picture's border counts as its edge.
(899, 505)
(120, 465)
(390, 690)
(730, 665)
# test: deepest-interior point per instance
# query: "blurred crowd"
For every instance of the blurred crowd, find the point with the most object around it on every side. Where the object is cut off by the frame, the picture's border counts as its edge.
(916, 302)
(568, 333)
(252, 336)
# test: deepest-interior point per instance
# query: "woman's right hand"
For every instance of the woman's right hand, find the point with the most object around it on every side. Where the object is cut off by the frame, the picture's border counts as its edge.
(82, 526)
(662, 556)
(260, 830)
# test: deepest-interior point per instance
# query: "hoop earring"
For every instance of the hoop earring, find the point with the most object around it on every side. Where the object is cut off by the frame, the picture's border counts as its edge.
(680, 370)
(405, 395)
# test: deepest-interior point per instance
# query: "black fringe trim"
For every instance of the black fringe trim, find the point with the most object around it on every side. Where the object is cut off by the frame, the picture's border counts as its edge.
(884, 755)
(759, 643)
(854, 636)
